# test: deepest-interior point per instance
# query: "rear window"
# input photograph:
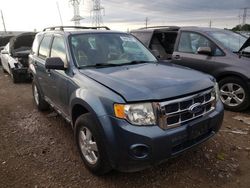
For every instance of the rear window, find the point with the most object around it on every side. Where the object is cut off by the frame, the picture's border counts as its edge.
(44, 47)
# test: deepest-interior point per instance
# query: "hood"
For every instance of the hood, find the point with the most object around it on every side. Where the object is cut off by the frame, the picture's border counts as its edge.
(21, 42)
(245, 45)
(150, 81)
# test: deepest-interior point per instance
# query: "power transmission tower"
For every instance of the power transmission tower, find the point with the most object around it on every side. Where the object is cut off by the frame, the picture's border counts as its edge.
(244, 16)
(97, 13)
(77, 18)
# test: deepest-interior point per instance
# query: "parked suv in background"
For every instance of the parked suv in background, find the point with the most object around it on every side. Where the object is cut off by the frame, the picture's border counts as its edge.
(127, 110)
(221, 53)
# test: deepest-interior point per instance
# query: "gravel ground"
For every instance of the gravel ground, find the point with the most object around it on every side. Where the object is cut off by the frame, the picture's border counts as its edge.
(38, 150)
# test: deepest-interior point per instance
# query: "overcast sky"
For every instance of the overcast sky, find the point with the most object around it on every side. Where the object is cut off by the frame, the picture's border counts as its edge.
(27, 15)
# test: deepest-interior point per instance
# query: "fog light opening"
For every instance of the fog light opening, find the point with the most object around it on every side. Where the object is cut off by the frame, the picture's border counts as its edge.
(139, 151)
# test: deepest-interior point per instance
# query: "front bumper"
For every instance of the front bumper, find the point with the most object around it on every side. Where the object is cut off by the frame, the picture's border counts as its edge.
(161, 144)
(21, 74)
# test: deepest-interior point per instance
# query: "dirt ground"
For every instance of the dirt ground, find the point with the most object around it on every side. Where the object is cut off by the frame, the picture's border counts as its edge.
(38, 150)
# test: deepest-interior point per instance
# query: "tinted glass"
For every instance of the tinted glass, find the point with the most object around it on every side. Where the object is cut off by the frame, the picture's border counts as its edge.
(44, 47)
(108, 48)
(232, 41)
(58, 49)
(190, 42)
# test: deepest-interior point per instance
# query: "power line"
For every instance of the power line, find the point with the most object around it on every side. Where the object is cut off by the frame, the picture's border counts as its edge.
(97, 13)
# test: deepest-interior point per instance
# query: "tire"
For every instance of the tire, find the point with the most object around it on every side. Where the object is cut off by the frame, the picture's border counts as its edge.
(14, 77)
(95, 158)
(41, 104)
(234, 94)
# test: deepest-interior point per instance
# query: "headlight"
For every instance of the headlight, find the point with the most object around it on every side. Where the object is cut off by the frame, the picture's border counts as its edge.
(137, 114)
(216, 91)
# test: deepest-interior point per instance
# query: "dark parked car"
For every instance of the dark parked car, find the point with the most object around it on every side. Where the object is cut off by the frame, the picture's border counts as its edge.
(15, 54)
(3, 41)
(221, 53)
(127, 110)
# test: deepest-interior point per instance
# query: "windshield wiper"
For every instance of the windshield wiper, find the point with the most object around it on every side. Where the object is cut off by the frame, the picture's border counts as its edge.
(136, 62)
(100, 65)
(114, 64)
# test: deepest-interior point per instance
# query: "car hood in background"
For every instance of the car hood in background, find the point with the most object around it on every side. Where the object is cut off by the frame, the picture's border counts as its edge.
(150, 81)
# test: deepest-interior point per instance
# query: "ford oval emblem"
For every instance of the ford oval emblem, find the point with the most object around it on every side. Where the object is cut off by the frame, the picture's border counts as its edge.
(195, 108)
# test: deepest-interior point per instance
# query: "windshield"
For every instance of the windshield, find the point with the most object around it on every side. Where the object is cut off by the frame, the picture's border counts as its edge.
(230, 40)
(108, 49)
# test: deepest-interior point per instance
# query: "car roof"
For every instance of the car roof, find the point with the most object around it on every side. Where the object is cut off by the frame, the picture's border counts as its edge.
(175, 28)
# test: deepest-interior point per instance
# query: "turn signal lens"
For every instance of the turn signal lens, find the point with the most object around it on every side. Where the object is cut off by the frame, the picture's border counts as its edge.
(119, 110)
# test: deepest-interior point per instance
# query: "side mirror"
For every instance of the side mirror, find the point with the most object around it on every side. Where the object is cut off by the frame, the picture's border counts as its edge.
(55, 63)
(4, 52)
(204, 51)
(156, 53)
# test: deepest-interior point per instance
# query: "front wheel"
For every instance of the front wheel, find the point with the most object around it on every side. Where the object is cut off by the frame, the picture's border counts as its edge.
(90, 144)
(234, 94)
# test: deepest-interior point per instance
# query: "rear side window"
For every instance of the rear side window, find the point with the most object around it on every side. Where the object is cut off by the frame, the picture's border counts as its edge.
(144, 37)
(190, 42)
(35, 45)
(58, 49)
(44, 47)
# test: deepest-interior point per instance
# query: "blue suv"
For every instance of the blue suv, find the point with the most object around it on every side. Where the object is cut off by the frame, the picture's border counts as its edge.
(128, 111)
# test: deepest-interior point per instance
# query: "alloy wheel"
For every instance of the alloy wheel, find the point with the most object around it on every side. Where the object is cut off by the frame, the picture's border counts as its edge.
(232, 94)
(88, 146)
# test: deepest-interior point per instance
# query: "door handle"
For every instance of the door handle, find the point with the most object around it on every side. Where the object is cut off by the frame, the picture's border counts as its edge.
(177, 57)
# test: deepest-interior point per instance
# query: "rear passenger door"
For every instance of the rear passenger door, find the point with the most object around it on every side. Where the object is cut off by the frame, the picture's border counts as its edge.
(186, 52)
(39, 63)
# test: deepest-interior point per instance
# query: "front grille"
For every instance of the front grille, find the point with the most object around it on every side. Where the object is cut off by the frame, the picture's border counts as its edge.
(174, 113)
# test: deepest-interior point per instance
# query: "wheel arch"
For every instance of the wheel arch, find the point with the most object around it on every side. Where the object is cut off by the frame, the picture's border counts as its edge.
(224, 75)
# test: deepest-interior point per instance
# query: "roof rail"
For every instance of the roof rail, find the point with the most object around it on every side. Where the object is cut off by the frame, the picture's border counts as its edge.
(155, 27)
(61, 28)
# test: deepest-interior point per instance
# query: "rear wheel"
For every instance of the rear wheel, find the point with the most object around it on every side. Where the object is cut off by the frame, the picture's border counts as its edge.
(41, 104)
(234, 94)
(90, 145)
(4, 71)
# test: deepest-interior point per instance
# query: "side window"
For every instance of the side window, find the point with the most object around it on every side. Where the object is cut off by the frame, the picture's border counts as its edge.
(35, 45)
(44, 47)
(190, 42)
(58, 49)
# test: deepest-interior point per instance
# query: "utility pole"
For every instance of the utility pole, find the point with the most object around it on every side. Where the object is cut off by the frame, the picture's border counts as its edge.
(146, 22)
(77, 18)
(210, 23)
(97, 13)
(3, 22)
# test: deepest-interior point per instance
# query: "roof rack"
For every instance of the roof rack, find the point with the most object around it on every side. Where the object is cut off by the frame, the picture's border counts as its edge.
(61, 28)
(155, 27)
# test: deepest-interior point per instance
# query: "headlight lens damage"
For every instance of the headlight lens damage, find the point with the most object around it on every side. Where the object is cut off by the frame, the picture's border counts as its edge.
(137, 114)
